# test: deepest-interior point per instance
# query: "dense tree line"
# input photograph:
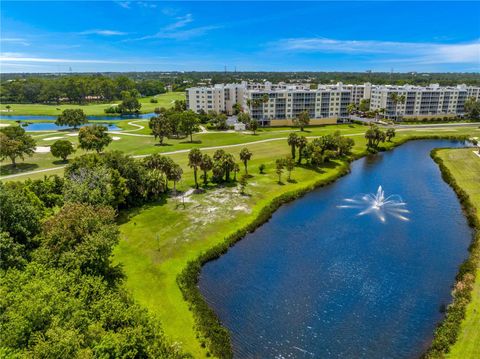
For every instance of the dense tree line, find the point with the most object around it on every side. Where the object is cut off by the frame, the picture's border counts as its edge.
(75, 89)
(61, 295)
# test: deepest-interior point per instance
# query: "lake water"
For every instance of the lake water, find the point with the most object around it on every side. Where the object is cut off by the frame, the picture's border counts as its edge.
(90, 118)
(50, 126)
(319, 281)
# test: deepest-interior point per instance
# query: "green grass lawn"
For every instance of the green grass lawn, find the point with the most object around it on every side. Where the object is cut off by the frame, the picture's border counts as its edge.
(465, 168)
(158, 240)
(146, 144)
(164, 100)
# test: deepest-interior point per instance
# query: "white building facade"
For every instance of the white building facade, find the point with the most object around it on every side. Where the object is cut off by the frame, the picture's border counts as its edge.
(279, 104)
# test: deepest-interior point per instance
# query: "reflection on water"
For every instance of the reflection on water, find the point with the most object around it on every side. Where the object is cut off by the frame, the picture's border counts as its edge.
(318, 282)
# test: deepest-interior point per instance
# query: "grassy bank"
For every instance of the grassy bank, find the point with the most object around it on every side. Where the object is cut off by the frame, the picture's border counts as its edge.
(459, 334)
(95, 109)
(158, 241)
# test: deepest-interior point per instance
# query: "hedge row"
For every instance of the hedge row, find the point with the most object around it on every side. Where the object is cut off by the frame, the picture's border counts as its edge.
(209, 330)
(447, 331)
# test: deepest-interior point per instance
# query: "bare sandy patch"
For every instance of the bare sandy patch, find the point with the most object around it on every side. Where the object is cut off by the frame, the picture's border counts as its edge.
(42, 149)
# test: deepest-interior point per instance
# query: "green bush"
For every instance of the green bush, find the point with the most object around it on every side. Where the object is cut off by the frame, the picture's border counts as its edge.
(447, 331)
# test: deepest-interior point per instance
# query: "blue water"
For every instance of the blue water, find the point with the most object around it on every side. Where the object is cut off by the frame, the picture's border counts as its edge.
(90, 118)
(50, 126)
(318, 281)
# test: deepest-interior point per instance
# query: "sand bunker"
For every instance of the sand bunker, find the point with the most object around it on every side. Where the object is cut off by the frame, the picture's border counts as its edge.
(52, 138)
(4, 125)
(115, 138)
(72, 134)
(42, 149)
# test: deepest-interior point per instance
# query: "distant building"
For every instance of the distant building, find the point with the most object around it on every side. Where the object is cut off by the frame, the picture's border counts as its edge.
(279, 104)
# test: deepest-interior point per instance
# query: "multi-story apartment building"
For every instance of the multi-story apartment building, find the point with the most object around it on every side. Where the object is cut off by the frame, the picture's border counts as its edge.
(219, 98)
(279, 104)
(433, 100)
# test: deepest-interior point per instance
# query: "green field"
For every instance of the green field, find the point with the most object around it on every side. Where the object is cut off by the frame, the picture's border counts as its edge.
(465, 168)
(158, 240)
(164, 100)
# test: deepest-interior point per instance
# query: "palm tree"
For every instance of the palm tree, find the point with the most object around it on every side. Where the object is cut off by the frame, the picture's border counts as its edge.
(351, 108)
(206, 165)
(245, 156)
(194, 161)
(396, 99)
(301, 144)
(292, 142)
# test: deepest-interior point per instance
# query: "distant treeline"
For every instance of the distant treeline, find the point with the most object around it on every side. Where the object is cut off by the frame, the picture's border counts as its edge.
(181, 80)
(74, 89)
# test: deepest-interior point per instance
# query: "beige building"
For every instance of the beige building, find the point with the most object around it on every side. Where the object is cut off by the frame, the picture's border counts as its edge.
(279, 104)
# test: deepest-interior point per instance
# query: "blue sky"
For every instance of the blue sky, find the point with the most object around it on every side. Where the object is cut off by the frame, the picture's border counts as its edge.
(251, 36)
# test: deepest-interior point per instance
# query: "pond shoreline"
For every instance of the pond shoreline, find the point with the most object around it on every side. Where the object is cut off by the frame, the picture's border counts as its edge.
(208, 326)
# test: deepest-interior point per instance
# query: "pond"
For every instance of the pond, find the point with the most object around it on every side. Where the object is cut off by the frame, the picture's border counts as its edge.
(90, 118)
(50, 126)
(328, 276)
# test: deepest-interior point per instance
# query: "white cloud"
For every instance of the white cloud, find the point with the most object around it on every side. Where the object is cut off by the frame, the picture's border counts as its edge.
(124, 4)
(424, 53)
(103, 32)
(178, 31)
(15, 40)
(181, 22)
(17, 57)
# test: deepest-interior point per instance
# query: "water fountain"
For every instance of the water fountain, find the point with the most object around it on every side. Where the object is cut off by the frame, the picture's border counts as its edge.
(379, 205)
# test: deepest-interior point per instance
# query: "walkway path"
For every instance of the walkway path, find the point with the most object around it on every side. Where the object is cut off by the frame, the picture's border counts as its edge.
(404, 128)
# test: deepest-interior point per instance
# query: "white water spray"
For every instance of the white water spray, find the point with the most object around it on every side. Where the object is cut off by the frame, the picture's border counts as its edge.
(378, 205)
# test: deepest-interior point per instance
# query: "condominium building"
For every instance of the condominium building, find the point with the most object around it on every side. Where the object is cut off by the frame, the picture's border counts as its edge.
(279, 104)
(433, 100)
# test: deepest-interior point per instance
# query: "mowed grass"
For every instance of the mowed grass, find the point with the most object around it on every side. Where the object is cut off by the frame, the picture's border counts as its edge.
(95, 109)
(465, 168)
(138, 142)
(158, 240)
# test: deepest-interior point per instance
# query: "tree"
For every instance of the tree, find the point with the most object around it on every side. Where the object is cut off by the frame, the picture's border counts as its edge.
(301, 144)
(175, 175)
(261, 168)
(245, 156)
(244, 118)
(62, 149)
(396, 99)
(243, 183)
(206, 165)
(279, 167)
(179, 105)
(253, 125)
(292, 142)
(290, 166)
(302, 120)
(194, 161)
(130, 103)
(345, 145)
(374, 136)
(14, 143)
(364, 105)
(351, 108)
(237, 108)
(236, 169)
(8, 107)
(160, 126)
(472, 108)
(94, 138)
(81, 236)
(390, 134)
(72, 117)
(189, 123)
